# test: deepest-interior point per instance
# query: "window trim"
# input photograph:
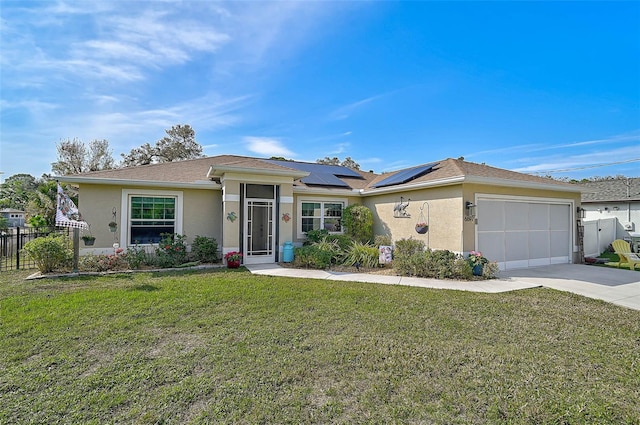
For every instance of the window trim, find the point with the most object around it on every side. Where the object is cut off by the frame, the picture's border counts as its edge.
(125, 209)
(322, 201)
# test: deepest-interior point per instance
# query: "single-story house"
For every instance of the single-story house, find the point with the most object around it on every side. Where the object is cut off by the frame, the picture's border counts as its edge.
(616, 201)
(255, 205)
(15, 218)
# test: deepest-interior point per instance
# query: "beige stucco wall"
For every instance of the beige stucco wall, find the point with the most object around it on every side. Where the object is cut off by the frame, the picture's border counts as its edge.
(443, 212)
(286, 207)
(202, 210)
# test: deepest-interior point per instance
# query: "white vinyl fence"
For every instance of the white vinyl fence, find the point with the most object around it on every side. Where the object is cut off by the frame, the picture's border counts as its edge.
(598, 235)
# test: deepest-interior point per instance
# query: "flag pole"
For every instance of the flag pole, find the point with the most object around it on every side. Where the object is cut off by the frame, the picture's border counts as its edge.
(76, 248)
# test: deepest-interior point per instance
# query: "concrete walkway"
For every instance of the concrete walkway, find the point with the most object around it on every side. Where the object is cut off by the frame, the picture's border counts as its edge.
(621, 287)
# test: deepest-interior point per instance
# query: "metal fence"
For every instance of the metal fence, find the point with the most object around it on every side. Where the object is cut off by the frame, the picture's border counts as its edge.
(13, 240)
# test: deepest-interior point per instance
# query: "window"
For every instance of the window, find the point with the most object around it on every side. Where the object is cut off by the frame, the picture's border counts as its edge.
(150, 216)
(322, 215)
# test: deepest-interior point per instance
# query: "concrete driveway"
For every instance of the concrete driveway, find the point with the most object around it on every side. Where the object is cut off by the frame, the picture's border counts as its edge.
(617, 286)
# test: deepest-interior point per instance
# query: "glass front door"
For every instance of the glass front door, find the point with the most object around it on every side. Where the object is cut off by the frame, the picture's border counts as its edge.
(259, 230)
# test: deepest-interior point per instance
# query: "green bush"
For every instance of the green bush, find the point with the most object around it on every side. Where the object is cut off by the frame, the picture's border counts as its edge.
(331, 247)
(407, 247)
(50, 253)
(136, 257)
(382, 240)
(490, 270)
(315, 236)
(358, 223)
(205, 249)
(343, 241)
(311, 256)
(361, 254)
(102, 263)
(171, 251)
(439, 264)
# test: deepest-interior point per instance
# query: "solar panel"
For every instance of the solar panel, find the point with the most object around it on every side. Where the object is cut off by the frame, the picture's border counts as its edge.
(319, 174)
(323, 179)
(336, 170)
(405, 176)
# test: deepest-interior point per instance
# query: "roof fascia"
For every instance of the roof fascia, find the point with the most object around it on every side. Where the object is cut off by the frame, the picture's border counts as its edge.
(324, 191)
(202, 184)
(522, 184)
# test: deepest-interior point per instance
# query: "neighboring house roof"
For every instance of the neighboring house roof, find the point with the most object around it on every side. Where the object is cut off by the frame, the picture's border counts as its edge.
(205, 171)
(11, 211)
(614, 190)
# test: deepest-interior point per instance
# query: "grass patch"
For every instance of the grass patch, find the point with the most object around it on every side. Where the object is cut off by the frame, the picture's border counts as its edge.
(231, 347)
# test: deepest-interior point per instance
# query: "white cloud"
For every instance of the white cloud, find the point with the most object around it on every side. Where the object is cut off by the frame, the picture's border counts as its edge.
(267, 146)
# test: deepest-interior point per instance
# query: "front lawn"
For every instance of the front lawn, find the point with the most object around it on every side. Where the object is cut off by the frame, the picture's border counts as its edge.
(231, 347)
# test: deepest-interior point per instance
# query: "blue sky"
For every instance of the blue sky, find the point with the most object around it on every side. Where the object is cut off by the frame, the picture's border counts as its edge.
(528, 86)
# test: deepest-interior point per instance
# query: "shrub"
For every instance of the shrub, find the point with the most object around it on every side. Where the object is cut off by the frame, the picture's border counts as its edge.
(439, 264)
(407, 247)
(315, 236)
(358, 223)
(205, 249)
(331, 247)
(361, 254)
(50, 253)
(343, 241)
(136, 256)
(311, 256)
(171, 250)
(382, 240)
(102, 263)
(444, 264)
(490, 270)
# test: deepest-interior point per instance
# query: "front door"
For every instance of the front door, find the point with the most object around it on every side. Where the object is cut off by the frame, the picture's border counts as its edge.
(259, 241)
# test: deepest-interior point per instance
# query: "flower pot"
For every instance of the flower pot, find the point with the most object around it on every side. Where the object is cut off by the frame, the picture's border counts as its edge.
(422, 229)
(233, 264)
(88, 242)
(477, 270)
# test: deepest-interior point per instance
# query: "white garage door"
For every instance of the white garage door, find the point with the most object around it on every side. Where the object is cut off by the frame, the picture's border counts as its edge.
(524, 234)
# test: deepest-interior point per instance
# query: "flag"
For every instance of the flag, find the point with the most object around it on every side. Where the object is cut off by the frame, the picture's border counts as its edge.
(67, 214)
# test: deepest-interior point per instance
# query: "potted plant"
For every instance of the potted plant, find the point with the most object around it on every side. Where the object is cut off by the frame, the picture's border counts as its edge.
(233, 259)
(88, 239)
(477, 262)
(113, 226)
(422, 228)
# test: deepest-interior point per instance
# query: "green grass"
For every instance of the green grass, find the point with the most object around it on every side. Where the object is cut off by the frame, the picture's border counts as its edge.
(231, 347)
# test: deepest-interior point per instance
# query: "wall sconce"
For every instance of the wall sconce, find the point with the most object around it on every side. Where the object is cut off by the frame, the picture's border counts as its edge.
(471, 209)
(581, 212)
(616, 208)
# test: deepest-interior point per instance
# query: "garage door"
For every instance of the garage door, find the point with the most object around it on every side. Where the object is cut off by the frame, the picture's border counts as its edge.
(519, 234)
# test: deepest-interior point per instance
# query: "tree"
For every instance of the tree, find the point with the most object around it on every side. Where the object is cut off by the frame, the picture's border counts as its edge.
(74, 157)
(348, 162)
(358, 223)
(43, 201)
(16, 191)
(179, 144)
